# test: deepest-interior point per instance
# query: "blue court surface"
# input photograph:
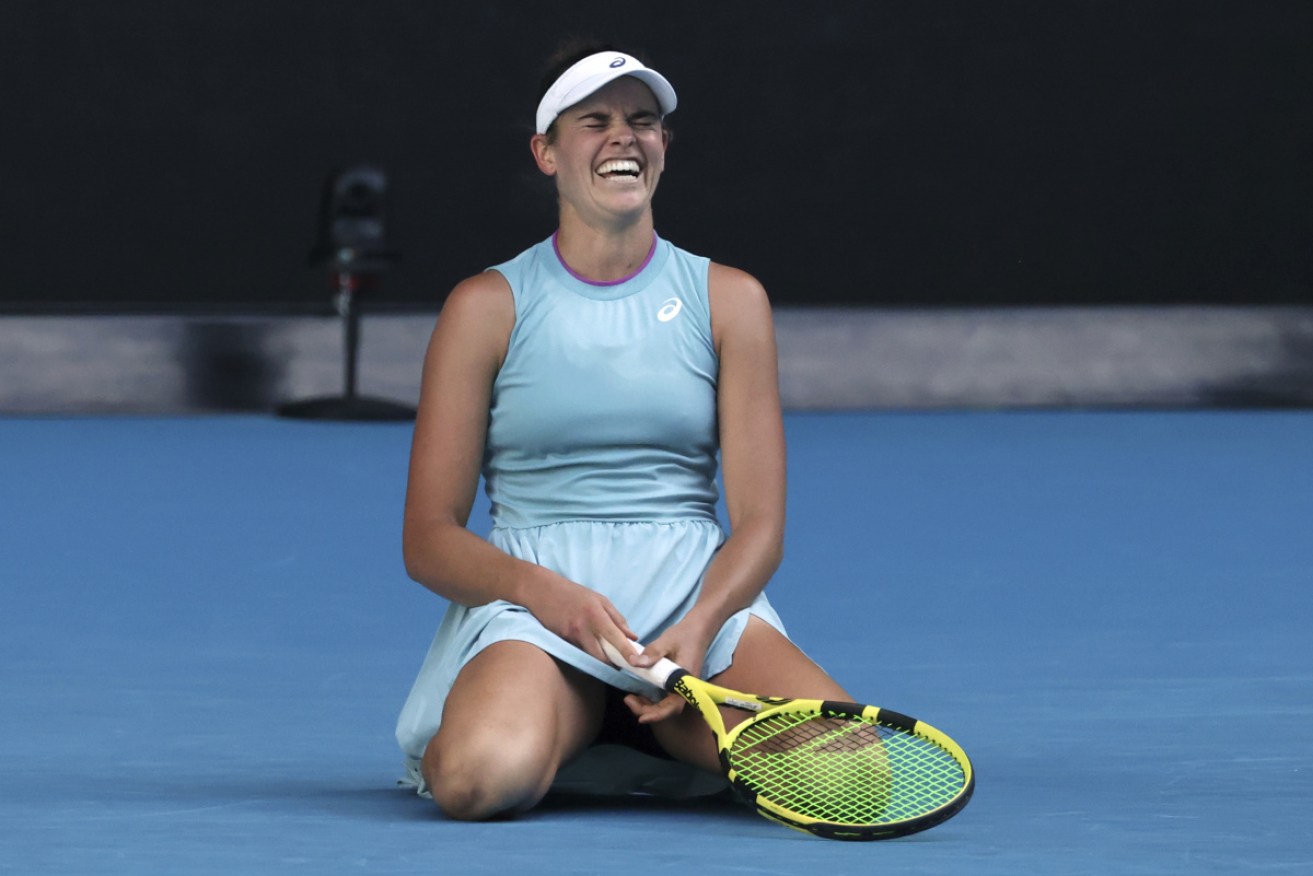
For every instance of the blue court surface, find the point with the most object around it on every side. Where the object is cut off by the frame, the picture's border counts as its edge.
(206, 634)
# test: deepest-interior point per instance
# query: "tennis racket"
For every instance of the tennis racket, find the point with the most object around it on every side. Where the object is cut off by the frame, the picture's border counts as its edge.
(838, 770)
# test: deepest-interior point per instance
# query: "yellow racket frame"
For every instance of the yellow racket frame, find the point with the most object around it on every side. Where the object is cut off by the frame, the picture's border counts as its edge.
(707, 698)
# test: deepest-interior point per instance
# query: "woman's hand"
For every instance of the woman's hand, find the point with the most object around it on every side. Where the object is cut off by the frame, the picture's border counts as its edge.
(579, 615)
(685, 643)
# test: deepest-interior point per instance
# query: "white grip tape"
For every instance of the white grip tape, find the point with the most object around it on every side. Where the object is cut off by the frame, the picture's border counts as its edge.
(656, 674)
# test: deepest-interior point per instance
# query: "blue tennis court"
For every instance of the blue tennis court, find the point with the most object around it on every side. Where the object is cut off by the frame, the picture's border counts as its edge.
(207, 632)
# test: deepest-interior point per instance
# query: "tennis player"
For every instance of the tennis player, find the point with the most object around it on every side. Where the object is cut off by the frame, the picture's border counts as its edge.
(593, 380)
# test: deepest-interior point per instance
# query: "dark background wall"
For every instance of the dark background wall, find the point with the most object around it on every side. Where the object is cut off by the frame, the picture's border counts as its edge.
(168, 156)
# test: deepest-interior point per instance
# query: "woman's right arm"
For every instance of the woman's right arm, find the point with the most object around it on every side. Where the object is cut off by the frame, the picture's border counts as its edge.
(463, 358)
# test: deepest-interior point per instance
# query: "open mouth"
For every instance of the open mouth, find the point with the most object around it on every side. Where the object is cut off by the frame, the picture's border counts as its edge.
(619, 168)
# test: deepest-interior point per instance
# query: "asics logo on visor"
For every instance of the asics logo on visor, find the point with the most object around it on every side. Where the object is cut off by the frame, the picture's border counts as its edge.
(618, 62)
(669, 309)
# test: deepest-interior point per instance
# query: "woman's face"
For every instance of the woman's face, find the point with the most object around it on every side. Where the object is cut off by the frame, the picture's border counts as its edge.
(608, 151)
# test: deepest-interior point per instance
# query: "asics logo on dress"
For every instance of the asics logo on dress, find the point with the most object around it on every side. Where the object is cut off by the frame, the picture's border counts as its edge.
(669, 309)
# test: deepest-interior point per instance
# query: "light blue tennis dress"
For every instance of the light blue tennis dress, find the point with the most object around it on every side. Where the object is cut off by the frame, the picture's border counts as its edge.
(600, 464)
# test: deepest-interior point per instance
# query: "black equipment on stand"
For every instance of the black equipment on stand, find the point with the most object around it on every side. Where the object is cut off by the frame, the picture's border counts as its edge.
(352, 243)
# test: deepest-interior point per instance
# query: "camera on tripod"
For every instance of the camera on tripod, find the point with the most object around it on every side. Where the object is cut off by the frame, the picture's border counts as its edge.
(352, 242)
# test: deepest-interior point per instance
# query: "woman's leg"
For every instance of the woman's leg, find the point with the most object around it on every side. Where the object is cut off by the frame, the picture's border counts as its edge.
(765, 663)
(513, 716)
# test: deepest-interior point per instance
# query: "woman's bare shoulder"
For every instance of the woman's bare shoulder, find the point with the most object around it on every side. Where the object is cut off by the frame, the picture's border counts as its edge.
(738, 303)
(483, 292)
(482, 303)
(724, 280)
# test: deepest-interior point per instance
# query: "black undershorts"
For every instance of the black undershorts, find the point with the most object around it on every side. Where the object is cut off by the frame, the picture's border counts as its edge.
(620, 727)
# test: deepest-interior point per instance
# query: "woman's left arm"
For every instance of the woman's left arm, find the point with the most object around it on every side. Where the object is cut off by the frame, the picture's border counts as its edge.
(752, 458)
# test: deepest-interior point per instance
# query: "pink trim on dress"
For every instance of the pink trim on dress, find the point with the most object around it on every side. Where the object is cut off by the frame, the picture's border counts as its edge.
(582, 279)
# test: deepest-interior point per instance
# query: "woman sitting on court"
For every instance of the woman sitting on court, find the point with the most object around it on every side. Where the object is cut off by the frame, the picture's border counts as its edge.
(592, 380)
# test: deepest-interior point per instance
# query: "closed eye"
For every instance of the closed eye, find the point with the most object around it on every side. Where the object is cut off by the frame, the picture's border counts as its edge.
(643, 120)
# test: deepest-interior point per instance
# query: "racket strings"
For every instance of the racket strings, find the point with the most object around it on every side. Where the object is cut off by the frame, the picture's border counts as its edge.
(844, 768)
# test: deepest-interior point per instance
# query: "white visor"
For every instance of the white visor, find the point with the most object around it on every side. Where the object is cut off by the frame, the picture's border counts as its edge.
(592, 73)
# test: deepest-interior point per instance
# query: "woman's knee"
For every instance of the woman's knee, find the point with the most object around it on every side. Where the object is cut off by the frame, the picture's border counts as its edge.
(479, 765)
(473, 780)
